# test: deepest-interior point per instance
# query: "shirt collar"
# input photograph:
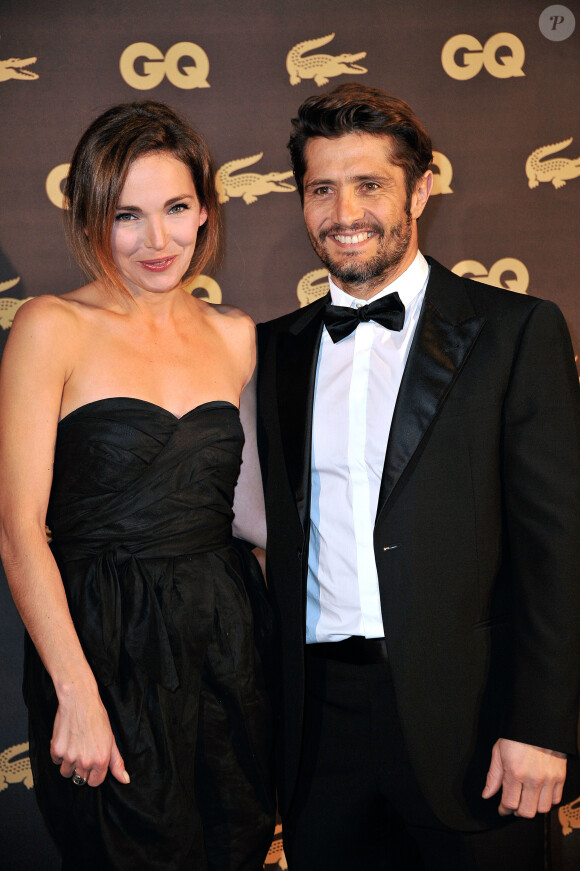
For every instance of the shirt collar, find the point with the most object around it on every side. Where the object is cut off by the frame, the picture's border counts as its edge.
(408, 286)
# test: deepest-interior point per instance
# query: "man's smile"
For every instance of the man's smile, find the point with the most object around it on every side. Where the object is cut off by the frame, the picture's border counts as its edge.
(353, 239)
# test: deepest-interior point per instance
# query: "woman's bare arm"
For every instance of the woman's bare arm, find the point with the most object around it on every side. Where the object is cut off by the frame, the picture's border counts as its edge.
(250, 515)
(35, 368)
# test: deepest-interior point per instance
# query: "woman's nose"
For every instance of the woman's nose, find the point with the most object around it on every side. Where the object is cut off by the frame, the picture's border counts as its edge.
(155, 235)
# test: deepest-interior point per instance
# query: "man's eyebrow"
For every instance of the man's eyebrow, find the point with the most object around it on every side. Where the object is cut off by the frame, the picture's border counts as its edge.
(318, 181)
(370, 176)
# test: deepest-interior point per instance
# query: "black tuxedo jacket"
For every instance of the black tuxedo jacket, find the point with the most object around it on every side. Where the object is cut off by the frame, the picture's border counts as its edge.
(476, 535)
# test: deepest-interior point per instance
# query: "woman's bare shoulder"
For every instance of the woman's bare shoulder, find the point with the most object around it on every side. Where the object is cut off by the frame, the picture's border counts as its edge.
(233, 318)
(42, 312)
(238, 332)
(59, 309)
(49, 321)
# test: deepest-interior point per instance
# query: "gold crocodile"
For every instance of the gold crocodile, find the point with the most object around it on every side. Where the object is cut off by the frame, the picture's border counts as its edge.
(275, 859)
(320, 66)
(8, 305)
(13, 68)
(249, 185)
(15, 770)
(569, 816)
(559, 170)
(6, 285)
(312, 286)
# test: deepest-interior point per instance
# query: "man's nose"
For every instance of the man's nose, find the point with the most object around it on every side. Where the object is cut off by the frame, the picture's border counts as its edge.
(348, 207)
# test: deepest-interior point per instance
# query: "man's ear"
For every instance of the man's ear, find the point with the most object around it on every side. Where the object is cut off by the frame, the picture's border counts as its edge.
(421, 194)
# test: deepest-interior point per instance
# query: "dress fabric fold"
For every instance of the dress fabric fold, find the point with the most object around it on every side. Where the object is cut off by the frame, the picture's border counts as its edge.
(161, 597)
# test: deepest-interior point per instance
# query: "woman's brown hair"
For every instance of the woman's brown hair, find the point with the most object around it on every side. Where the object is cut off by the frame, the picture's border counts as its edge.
(98, 172)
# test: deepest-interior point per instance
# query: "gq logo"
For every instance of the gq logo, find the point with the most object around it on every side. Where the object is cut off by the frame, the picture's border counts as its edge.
(463, 56)
(507, 266)
(153, 66)
(53, 184)
(442, 174)
(204, 287)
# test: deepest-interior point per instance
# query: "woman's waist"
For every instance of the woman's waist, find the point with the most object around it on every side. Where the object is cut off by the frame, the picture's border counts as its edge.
(73, 545)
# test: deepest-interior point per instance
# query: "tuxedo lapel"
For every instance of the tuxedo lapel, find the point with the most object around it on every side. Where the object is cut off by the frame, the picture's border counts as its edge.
(447, 330)
(297, 357)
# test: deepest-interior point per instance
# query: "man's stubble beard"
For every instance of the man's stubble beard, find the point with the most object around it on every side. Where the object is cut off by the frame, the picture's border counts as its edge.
(391, 251)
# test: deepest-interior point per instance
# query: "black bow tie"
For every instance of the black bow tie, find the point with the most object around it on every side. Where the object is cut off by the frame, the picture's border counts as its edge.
(341, 321)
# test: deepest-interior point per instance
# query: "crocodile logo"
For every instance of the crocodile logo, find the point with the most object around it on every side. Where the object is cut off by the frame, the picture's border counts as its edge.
(14, 68)
(320, 67)
(13, 769)
(8, 305)
(249, 185)
(569, 816)
(312, 286)
(275, 859)
(558, 170)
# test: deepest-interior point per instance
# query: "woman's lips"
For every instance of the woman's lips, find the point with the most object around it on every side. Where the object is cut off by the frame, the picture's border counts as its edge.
(159, 265)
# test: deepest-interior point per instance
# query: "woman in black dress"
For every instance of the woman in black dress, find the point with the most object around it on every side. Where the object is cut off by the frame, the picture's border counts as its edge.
(120, 427)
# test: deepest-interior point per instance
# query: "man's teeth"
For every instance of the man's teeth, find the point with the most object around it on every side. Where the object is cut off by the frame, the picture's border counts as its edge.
(351, 240)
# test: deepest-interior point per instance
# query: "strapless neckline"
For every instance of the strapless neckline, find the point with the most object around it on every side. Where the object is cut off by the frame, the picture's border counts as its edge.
(144, 403)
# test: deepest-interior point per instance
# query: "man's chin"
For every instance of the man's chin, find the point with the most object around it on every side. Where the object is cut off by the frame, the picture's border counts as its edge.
(349, 268)
(354, 273)
(353, 279)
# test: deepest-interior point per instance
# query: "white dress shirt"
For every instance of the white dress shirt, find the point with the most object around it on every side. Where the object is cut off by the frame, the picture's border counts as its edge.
(357, 383)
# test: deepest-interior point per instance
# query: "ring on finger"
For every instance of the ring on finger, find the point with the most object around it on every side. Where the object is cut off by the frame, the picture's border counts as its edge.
(78, 780)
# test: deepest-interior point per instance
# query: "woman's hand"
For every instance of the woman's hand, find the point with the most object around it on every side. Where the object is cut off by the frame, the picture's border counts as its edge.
(83, 742)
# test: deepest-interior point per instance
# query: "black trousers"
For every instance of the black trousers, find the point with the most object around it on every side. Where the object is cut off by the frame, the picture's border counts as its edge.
(358, 806)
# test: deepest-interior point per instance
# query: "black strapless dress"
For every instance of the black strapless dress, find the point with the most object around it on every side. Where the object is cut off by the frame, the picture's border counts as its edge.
(140, 514)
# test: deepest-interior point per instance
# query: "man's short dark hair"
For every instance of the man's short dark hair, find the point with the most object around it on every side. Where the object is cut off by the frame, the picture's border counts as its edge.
(353, 108)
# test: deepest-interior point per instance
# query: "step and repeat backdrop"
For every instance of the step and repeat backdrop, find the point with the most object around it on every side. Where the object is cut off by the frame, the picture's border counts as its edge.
(495, 83)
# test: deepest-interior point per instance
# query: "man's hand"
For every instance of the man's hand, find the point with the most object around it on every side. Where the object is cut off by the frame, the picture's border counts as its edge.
(531, 778)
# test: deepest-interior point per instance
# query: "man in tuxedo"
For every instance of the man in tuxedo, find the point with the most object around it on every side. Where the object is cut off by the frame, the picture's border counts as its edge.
(419, 439)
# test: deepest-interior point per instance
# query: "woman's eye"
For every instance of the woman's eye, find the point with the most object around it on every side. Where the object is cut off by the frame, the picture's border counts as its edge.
(178, 207)
(124, 216)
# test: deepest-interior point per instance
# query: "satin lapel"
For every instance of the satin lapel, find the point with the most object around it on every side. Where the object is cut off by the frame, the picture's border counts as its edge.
(440, 349)
(297, 357)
